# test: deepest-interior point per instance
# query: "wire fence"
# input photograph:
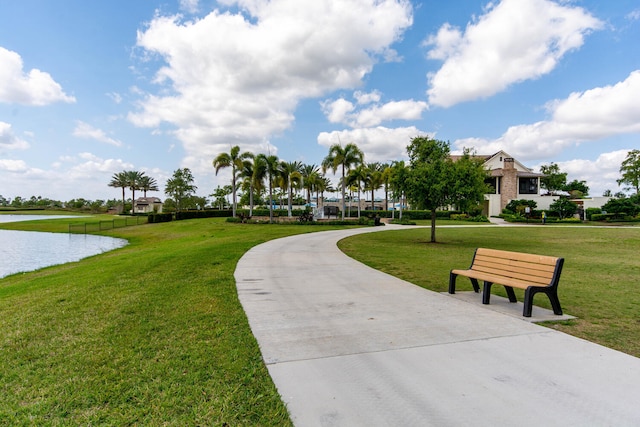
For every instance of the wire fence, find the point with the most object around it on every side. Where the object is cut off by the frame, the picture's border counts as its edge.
(90, 227)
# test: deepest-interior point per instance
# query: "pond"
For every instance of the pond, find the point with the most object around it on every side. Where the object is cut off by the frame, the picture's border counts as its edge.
(23, 251)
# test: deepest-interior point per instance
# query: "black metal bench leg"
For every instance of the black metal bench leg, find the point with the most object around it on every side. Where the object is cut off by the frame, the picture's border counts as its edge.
(555, 302)
(528, 301)
(474, 283)
(452, 283)
(486, 292)
(511, 294)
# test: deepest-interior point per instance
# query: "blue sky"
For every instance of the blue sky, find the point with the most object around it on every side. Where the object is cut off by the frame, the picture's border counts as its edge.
(88, 89)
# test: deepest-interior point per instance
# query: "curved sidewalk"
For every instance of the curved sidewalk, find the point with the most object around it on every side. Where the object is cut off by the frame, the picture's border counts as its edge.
(347, 345)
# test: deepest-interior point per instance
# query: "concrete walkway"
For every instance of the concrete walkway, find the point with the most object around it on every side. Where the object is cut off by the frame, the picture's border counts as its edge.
(347, 345)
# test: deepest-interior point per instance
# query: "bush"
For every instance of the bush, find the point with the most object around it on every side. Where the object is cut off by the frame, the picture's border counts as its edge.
(589, 212)
(160, 217)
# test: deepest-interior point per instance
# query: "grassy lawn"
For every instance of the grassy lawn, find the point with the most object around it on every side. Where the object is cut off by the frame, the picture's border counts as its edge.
(149, 334)
(599, 283)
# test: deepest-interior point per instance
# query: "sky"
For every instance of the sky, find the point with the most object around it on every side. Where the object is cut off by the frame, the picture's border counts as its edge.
(89, 89)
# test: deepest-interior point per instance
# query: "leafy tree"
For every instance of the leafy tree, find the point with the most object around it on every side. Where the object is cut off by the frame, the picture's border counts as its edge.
(577, 189)
(468, 187)
(234, 160)
(220, 196)
(180, 187)
(519, 206)
(630, 170)
(564, 207)
(554, 180)
(430, 178)
(398, 182)
(607, 193)
(342, 158)
(623, 205)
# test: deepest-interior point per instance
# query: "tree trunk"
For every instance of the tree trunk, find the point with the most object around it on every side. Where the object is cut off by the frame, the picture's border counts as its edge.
(433, 226)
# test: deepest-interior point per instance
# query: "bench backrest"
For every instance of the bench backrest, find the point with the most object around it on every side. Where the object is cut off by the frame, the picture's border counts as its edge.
(537, 269)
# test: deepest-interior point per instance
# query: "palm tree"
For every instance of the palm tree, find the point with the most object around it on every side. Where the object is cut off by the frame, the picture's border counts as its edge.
(148, 183)
(343, 158)
(254, 173)
(355, 178)
(119, 180)
(133, 182)
(375, 180)
(234, 160)
(271, 168)
(310, 175)
(291, 177)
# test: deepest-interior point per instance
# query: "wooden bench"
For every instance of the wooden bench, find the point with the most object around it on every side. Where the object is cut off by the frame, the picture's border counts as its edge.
(533, 273)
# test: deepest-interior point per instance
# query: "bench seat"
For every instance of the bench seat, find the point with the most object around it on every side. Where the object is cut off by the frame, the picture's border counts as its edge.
(533, 273)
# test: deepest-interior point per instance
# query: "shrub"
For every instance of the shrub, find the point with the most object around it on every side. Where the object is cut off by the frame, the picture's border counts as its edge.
(160, 217)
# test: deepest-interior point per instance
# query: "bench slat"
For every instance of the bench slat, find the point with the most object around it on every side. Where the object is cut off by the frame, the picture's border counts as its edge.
(538, 259)
(501, 280)
(531, 279)
(509, 263)
(508, 271)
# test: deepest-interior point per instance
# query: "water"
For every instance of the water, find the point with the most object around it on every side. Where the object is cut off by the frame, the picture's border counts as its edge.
(22, 251)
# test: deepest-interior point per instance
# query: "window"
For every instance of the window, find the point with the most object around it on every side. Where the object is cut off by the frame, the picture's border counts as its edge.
(528, 186)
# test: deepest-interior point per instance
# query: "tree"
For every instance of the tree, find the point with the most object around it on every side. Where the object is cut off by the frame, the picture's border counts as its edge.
(133, 182)
(355, 178)
(119, 180)
(375, 180)
(554, 180)
(430, 179)
(180, 187)
(148, 183)
(577, 189)
(630, 170)
(310, 176)
(564, 207)
(398, 183)
(234, 160)
(253, 171)
(220, 196)
(271, 168)
(468, 187)
(291, 177)
(343, 158)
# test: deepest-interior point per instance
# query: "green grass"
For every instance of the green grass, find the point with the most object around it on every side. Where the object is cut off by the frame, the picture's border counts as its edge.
(149, 334)
(599, 283)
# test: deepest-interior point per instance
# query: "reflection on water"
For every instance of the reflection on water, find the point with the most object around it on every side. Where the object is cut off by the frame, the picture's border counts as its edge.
(18, 218)
(29, 250)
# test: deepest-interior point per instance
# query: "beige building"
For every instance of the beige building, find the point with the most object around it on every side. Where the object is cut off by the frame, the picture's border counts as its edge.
(147, 205)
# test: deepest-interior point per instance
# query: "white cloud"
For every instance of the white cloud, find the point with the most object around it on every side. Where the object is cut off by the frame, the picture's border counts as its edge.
(190, 6)
(115, 97)
(8, 140)
(584, 116)
(345, 112)
(67, 171)
(515, 40)
(33, 88)
(86, 131)
(380, 144)
(600, 174)
(8, 165)
(236, 79)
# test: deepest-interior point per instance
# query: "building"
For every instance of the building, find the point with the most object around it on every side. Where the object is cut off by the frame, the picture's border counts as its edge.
(147, 205)
(511, 180)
